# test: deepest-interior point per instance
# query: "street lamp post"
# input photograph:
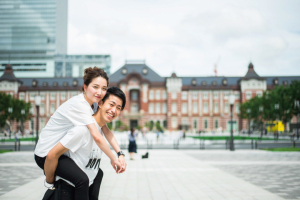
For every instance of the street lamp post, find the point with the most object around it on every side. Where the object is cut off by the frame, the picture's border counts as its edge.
(10, 110)
(277, 108)
(248, 111)
(262, 123)
(231, 102)
(297, 106)
(37, 100)
(21, 126)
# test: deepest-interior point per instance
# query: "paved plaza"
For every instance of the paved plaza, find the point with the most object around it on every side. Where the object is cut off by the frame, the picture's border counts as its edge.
(172, 174)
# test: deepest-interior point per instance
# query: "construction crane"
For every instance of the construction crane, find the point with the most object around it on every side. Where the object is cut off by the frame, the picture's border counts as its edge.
(216, 64)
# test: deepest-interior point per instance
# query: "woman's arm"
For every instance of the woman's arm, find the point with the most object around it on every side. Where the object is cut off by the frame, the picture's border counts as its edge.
(100, 141)
(52, 160)
(113, 142)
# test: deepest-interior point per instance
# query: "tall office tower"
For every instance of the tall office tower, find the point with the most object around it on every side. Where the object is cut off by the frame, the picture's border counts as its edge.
(31, 34)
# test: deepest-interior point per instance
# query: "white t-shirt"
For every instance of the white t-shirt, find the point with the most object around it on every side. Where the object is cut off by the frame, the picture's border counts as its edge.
(83, 150)
(74, 112)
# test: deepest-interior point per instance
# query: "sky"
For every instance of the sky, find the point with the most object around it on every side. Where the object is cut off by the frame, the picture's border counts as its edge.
(190, 37)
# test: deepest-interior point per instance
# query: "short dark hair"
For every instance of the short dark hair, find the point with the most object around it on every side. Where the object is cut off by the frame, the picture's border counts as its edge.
(91, 73)
(117, 92)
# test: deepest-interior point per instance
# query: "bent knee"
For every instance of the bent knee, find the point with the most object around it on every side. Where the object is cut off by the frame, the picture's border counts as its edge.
(83, 181)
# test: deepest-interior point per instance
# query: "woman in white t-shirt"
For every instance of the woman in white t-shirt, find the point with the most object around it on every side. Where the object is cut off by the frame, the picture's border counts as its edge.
(74, 112)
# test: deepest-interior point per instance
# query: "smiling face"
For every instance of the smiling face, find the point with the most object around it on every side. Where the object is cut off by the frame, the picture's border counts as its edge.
(96, 90)
(110, 109)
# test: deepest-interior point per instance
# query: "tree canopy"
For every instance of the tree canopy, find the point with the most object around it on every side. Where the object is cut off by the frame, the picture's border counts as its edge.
(13, 109)
(282, 103)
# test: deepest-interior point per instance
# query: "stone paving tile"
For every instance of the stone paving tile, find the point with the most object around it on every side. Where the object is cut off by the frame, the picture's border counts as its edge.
(13, 173)
(281, 177)
(12, 177)
(277, 179)
(17, 157)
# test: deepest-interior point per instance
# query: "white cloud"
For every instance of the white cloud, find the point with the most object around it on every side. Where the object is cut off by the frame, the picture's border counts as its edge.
(189, 36)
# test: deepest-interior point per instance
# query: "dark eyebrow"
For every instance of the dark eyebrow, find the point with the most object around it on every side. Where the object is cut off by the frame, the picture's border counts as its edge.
(115, 103)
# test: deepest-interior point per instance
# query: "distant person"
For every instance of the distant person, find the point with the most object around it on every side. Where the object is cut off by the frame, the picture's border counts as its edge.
(132, 143)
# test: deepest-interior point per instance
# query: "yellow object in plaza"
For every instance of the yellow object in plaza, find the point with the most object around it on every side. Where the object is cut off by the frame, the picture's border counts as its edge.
(278, 126)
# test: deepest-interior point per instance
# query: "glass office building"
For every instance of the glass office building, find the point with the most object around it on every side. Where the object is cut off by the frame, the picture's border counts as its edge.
(74, 65)
(32, 32)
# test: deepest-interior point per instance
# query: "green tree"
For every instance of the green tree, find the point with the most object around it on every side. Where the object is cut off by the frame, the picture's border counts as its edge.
(13, 109)
(158, 126)
(5, 103)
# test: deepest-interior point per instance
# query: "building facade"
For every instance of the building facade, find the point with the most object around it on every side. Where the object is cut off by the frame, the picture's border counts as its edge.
(193, 103)
(33, 40)
(32, 33)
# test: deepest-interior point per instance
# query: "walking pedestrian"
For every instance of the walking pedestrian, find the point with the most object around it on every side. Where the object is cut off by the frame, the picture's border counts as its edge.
(132, 144)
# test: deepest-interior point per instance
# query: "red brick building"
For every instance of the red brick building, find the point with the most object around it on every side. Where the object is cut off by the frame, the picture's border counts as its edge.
(194, 103)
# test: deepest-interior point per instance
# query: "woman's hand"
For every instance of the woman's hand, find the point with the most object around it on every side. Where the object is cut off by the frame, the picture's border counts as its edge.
(116, 165)
(123, 163)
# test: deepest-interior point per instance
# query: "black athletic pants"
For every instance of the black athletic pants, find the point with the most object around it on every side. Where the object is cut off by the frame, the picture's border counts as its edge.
(68, 169)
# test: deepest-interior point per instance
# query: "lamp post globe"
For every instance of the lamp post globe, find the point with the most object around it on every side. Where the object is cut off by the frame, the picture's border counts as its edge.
(231, 102)
(37, 100)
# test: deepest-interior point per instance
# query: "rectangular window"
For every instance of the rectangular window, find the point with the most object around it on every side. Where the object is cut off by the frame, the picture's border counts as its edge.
(74, 94)
(205, 107)
(52, 96)
(195, 95)
(237, 108)
(42, 124)
(195, 123)
(184, 95)
(248, 95)
(164, 94)
(157, 110)
(205, 95)
(184, 121)
(164, 108)
(216, 95)
(184, 108)
(216, 107)
(32, 108)
(226, 108)
(151, 108)
(174, 95)
(42, 96)
(42, 109)
(237, 95)
(174, 107)
(259, 93)
(195, 107)
(134, 95)
(157, 94)
(21, 96)
(151, 94)
(226, 95)
(32, 96)
(216, 123)
(63, 96)
(174, 122)
(205, 124)
(134, 108)
(52, 108)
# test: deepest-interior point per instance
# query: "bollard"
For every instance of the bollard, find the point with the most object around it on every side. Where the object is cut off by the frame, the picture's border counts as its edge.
(251, 144)
(19, 145)
(294, 143)
(255, 144)
(15, 146)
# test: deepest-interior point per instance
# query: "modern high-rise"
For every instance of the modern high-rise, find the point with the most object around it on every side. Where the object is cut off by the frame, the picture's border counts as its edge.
(31, 34)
